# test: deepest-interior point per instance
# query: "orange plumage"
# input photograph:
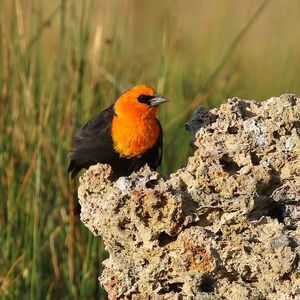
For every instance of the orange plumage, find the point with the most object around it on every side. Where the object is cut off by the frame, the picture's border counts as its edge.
(134, 128)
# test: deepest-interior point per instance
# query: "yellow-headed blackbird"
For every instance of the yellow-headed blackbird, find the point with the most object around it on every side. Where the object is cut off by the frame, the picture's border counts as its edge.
(126, 135)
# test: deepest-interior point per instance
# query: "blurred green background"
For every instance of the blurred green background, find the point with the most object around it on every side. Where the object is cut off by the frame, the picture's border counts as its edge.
(63, 61)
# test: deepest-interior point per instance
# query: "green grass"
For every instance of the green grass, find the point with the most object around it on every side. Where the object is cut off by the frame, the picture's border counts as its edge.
(63, 61)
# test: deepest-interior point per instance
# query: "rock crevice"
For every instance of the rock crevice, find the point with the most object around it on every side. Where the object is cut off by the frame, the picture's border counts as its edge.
(226, 226)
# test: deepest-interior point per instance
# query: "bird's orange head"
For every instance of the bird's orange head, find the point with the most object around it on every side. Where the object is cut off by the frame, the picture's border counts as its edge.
(139, 101)
(135, 128)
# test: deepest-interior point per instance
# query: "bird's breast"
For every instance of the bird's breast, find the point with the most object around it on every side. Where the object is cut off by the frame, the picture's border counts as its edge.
(133, 137)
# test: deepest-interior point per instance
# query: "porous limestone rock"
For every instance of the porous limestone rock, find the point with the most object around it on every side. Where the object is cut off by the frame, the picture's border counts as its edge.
(226, 226)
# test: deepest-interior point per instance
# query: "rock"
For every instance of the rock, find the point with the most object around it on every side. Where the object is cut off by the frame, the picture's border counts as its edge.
(226, 226)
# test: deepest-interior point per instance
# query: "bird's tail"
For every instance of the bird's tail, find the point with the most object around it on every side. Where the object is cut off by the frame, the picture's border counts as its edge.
(74, 168)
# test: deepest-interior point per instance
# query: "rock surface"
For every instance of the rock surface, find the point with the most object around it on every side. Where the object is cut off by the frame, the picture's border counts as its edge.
(226, 226)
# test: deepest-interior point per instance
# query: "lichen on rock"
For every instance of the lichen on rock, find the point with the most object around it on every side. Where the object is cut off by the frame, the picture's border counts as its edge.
(226, 226)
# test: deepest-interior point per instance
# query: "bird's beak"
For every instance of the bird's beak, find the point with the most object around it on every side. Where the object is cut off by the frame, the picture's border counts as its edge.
(156, 100)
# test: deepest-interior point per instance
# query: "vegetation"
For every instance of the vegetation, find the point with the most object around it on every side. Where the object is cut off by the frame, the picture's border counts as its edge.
(62, 61)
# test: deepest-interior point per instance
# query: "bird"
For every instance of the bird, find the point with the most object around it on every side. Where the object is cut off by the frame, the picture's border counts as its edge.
(126, 135)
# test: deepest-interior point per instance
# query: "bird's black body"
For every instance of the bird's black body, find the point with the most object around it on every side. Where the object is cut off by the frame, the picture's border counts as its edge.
(93, 144)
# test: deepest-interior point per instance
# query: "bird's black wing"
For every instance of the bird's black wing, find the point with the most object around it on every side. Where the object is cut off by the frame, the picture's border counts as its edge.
(93, 143)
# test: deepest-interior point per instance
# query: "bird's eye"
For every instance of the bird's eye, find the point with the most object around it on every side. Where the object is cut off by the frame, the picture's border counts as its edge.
(144, 98)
